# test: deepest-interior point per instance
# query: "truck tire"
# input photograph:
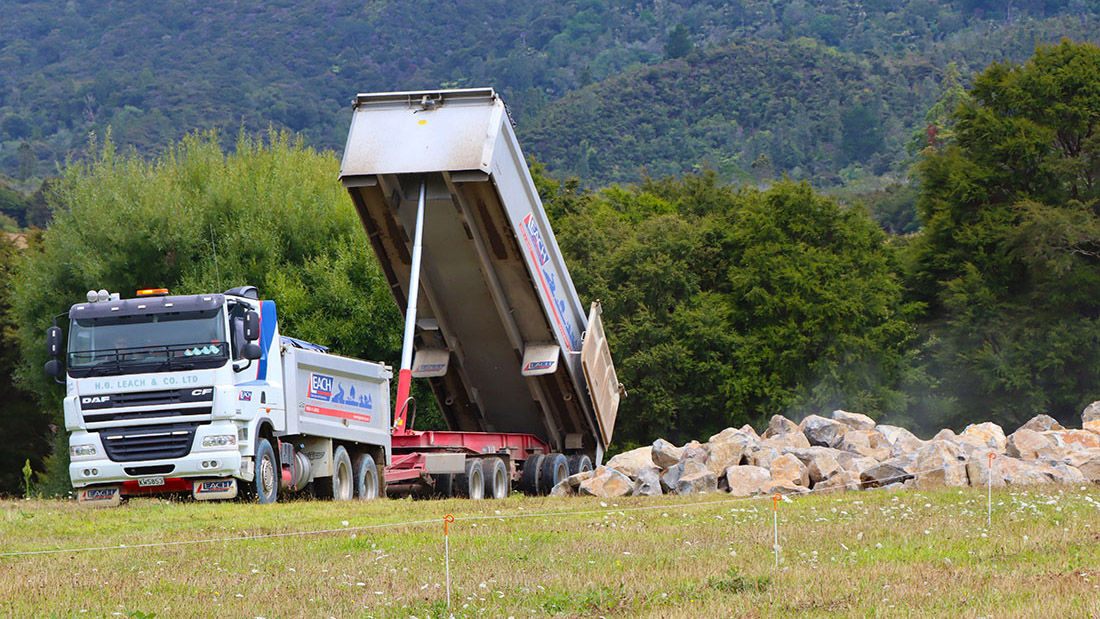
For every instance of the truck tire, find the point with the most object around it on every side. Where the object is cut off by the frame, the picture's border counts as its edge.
(579, 463)
(366, 478)
(529, 477)
(498, 484)
(341, 486)
(265, 483)
(554, 470)
(471, 484)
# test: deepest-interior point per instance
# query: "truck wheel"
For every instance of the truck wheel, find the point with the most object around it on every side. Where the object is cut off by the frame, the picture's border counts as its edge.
(498, 484)
(529, 478)
(554, 470)
(471, 484)
(341, 485)
(265, 484)
(366, 478)
(579, 463)
(444, 485)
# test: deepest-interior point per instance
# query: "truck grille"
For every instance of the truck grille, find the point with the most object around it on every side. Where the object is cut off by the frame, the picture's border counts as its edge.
(117, 414)
(149, 442)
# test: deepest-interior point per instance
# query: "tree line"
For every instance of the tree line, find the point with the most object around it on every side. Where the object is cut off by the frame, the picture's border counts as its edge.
(724, 304)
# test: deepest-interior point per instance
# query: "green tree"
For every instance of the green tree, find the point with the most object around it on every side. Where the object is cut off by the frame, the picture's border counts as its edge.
(25, 429)
(679, 42)
(725, 306)
(196, 220)
(1010, 256)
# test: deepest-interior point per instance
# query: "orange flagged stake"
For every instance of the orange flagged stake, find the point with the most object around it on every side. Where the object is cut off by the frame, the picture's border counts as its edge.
(448, 519)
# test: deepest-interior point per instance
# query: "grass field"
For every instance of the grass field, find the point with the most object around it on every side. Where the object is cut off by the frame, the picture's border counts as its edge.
(881, 553)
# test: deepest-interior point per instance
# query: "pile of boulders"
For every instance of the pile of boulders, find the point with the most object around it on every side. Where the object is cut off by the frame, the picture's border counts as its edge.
(849, 451)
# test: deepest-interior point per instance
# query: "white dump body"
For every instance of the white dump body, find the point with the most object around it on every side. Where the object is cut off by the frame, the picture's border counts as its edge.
(336, 397)
(500, 327)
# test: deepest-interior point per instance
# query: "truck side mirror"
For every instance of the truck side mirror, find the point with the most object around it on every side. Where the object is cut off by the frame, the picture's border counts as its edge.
(251, 327)
(53, 368)
(53, 341)
(252, 351)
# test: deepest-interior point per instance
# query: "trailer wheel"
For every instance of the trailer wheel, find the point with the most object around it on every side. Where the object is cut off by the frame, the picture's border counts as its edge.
(444, 485)
(498, 484)
(579, 463)
(471, 484)
(340, 487)
(366, 478)
(554, 470)
(265, 484)
(529, 478)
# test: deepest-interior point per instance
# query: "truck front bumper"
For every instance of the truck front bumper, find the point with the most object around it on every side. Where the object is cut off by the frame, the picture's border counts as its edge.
(204, 464)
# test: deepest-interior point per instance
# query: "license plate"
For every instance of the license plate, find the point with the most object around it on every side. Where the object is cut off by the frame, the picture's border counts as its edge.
(146, 482)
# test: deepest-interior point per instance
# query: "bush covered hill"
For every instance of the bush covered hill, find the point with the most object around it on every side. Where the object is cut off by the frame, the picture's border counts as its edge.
(153, 73)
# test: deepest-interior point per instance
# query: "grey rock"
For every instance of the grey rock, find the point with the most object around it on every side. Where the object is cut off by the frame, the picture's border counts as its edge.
(696, 479)
(693, 451)
(822, 432)
(664, 454)
(648, 482)
(884, 474)
(1091, 413)
(840, 482)
(823, 468)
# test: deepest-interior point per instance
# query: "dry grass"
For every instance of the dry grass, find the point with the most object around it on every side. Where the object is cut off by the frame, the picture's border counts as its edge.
(919, 554)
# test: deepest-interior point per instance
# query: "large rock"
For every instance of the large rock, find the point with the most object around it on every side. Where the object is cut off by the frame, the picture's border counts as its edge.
(842, 481)
(747, 480)
(607, 483)
(569, 485)
(648, 482)
(1088, 462)
(696, 479)
(630, 462)
(940, 464)
(822, 468)
(790, 440)
(977, 471)
(1093, 426)
(1017, 472)
(789, 469)
(1042, 423)
(1074, 440)
(946, 434)
(901, 441)
(1091, 413)
(671, 477)
(822, 432)
(747, 429)
(867, 443)
(854, 420)
(728, 448)
(664, 454)
(855, 463)
(884, 474)
(780, 425)
(762, 456)
(1065, 474)
(693, 451)
(1030, 445)
(983, 435)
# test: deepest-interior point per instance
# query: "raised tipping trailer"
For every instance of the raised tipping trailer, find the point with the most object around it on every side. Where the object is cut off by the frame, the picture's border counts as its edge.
(522, 375)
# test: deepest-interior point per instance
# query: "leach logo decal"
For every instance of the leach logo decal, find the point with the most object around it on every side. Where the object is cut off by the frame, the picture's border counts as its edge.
(246, 396)
(538, 365)
(99, 494)
(533, 237)
(215, 486)
(320, 387)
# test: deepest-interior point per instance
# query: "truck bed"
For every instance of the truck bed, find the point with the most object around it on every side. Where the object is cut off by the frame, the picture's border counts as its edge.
(494, 286)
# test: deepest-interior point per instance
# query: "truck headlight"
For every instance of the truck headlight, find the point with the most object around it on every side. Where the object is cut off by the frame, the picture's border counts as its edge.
(82, 451)
(220, 440)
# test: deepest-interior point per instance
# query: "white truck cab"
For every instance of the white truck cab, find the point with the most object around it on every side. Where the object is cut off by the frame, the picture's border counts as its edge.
(190, 393)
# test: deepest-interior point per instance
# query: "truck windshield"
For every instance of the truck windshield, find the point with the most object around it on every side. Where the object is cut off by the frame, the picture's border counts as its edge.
(159, 342)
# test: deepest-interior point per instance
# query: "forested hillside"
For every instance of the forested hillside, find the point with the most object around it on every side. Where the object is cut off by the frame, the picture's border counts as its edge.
(153, 73)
